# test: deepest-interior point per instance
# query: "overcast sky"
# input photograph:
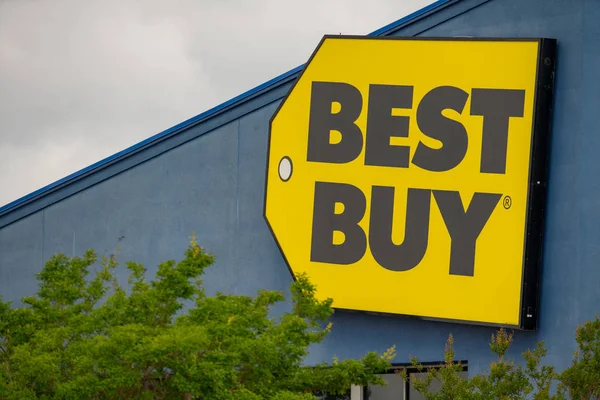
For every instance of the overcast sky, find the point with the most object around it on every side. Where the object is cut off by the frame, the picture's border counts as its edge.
(83, 79)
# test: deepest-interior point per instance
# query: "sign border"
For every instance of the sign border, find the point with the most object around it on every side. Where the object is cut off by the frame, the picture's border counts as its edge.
(538, 173)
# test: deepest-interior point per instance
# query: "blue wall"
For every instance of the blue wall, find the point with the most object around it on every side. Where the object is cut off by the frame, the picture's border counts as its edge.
(213, 185)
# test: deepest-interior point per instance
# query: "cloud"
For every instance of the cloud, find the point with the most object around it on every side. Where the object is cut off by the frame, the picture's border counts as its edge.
(81, 80)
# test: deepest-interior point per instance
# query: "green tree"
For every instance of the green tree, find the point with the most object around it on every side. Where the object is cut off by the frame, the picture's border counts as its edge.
(582, 378)
(530, 380)
(453, 386)
(85, 336)
(503, 381)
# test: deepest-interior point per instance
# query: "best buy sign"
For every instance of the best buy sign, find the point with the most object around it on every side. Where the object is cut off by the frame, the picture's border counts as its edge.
(407, 175)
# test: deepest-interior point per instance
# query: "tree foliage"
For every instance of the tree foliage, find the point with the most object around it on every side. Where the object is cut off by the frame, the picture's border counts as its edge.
(582, 378)
(505, 380)
(85, 336)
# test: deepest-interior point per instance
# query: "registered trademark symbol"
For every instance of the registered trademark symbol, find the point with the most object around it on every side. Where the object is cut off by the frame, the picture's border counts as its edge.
(507, 202)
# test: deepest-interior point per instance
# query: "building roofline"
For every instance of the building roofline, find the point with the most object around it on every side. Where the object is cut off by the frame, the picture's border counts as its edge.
(235, 101)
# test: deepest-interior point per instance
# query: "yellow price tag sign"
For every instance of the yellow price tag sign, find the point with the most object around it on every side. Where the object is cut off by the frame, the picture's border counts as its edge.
(407, 175)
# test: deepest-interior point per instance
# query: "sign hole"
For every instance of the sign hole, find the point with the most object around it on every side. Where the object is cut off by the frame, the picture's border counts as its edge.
(285, 169)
